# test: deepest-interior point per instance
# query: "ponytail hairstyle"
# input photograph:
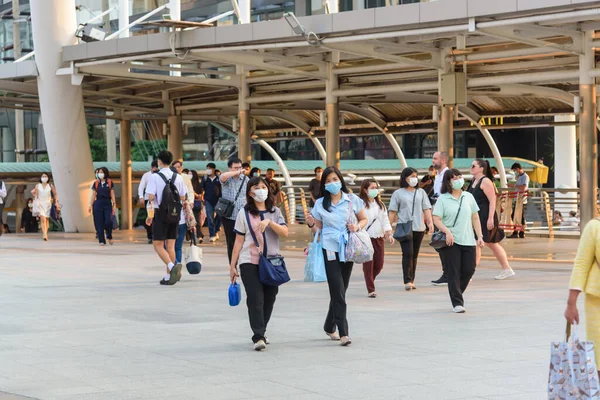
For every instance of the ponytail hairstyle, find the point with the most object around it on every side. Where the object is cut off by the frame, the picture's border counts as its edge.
(487, 170)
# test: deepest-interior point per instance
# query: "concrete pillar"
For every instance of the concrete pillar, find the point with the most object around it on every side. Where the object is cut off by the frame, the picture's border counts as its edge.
(123, 17)
(53, 23)
(8, 145)
(111, 140)
(175, 9)
(332, 109)
(126, 202)
(565, 160)
(20, 135)
(588, 142)
(19, 122)
(245, 125)
(446, 133)
(175, 140)
(333, 5)
(245, 11)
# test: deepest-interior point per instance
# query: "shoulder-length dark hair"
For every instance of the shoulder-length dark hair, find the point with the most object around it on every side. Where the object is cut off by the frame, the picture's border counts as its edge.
(250, 205)
(406, 172)
(106, 173)
(196, 182)
(447, 180)
(487, 170)
(326, 195)
(48, 175)
(364, 195)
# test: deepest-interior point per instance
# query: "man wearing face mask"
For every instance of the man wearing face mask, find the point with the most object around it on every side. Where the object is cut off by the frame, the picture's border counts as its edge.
(234, 184)
(143, 198)
(212, 193)
(315, 186)
(29, 223)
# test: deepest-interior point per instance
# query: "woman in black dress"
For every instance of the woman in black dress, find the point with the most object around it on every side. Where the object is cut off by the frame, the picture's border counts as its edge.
(483, 189)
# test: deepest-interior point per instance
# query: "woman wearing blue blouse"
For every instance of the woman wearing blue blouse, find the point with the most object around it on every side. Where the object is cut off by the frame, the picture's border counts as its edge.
(456, 214)
(331, 215)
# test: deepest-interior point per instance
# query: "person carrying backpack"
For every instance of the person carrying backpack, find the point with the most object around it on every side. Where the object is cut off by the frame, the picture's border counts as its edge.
(166, 193)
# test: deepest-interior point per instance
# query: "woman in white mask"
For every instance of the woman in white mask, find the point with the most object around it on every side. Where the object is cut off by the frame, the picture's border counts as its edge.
(456, 214)
(43, 194)
(379, 230)
(268, 225)
(410, 204)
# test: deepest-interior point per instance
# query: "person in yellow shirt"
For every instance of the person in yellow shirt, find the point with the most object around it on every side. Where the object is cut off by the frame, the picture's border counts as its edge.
(586, 278)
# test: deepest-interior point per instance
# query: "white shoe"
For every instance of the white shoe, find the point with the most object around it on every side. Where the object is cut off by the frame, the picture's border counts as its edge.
(345, 341)
(267, 340)
(333, 336)
(212, 239)
(260, 345)
(459, 309)
(505, 274)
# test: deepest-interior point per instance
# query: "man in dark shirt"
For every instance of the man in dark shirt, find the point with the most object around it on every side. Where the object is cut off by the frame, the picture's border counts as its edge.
(315, 186)
(427, 183)
(212, 192)
(274, 186)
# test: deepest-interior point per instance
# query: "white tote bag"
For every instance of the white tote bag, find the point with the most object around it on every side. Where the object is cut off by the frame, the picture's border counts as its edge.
(193, 257)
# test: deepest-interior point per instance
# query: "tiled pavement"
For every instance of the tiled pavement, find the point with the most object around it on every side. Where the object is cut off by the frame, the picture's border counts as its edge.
(81, 322)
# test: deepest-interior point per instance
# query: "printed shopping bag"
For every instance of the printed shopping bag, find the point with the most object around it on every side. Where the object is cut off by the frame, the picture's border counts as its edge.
(573, 373)
(314, 269)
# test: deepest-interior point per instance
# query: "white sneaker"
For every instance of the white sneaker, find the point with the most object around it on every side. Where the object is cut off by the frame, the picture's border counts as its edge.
(260, 345)
(459, 309)
(212, 239)
(345, 341)
(505, 274)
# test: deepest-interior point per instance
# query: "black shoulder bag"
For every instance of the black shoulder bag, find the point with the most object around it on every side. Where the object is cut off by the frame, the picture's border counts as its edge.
(224, 207)
(404, 230)
(438, 239)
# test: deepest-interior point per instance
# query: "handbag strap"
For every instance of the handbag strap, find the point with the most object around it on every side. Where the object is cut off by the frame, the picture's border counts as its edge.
(254, 235)
(458, 213)
(240, 189)
(412, 213)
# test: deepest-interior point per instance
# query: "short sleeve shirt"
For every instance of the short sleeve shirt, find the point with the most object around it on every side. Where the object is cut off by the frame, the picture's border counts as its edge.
(249, 253)
(523, 180)
(402, 203)
(156, 185)
(447, 207)
(230, 188)
(335, 220)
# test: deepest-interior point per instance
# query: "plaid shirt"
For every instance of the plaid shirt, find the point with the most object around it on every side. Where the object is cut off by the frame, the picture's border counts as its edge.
(230, 189)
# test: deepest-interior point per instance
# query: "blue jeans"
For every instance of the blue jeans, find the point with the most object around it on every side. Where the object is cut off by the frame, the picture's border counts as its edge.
(179, 242)
(214, 221)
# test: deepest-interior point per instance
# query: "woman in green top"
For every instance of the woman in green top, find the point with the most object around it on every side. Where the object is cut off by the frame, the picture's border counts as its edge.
(456, 214)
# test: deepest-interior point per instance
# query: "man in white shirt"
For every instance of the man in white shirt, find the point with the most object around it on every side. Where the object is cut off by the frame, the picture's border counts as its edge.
(165, 232)
(3, 194)
(440, 163)
(143, 199)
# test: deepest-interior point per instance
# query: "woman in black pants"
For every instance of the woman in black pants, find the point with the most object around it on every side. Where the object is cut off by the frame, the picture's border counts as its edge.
(411, 204)
(268, 225)
(331, 215)
(456, 215)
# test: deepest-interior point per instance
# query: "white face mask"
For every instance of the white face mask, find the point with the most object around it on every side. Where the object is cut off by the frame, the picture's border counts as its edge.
(209, 172)
(261, 195)
(412, 181)
(44, 179)
(191, 175)
(30, 205)
(100, 175)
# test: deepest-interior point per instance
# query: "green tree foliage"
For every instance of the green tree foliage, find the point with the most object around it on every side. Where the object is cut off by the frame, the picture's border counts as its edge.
(141, 149)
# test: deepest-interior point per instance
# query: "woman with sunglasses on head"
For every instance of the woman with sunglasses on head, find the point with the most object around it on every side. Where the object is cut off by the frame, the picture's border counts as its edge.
(379, 230)
(411, 204)
(456, 215)
(264, 219)
(331, 214)
(484, 191)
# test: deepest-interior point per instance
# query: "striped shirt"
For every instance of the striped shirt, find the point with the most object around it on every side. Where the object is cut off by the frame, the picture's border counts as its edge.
(230, 189)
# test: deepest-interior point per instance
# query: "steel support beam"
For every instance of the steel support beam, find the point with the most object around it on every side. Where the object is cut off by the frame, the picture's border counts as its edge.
(332, 108)
(126, 178)
(245, 134)
(446, 117)
(175, 139)
(588, 143)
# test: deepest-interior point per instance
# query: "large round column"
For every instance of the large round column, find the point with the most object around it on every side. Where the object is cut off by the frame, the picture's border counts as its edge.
(565, 161)
(54, 24)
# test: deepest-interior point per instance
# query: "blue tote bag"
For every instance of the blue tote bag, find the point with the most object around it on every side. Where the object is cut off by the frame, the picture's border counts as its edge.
(314, 269)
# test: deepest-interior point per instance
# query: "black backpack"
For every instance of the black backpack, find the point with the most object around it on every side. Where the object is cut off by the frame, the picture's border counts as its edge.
(170, 205)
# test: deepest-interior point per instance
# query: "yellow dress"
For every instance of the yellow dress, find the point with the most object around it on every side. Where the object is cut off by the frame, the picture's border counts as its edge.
(586, 278)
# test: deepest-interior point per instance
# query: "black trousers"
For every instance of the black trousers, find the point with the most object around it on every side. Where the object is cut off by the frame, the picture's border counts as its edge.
(260, 299)
(228, 225)
(410, 253)
(460, 267)
(338, 278)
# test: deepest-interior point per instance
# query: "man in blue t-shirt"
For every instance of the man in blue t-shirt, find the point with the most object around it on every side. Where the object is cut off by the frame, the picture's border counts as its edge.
(212, 193)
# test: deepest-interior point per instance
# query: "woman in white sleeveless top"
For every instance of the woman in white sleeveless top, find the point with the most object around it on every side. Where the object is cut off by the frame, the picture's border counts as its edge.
(42, 194)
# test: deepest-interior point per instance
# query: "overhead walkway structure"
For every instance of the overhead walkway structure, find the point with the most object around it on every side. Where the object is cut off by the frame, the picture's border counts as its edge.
(383, 71)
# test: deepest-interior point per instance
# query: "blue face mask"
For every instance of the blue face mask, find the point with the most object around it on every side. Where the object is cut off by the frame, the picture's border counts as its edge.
(334, 187)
